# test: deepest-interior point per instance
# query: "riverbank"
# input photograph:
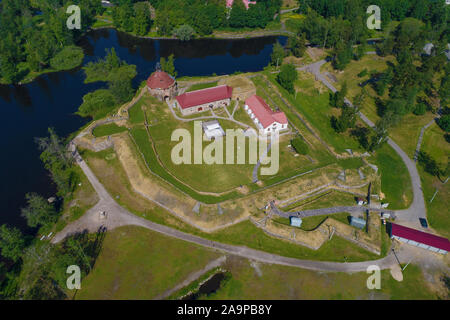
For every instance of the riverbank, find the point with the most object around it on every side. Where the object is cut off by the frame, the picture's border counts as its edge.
(220, 35)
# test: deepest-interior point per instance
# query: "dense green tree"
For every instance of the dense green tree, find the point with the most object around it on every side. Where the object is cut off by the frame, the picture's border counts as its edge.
(12, 243)
(38, 211)
(168, 65)
(277, 55)
(297, 45)
(287, 77)
(184, 32)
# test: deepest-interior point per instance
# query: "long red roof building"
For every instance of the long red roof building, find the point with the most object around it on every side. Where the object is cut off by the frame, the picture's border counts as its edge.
(420, 238)
(204, 96)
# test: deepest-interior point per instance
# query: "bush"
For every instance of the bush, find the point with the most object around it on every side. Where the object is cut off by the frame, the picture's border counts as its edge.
(300, 145)
(68, 58)
(287, 77)
(444, 122)
(184, 32)
(362, 73)
(420, 109)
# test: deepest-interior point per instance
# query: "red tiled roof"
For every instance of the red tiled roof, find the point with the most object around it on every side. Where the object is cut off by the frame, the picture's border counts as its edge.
(199, 97)
(421, 237)
(160, 80)
(246, 3)
(264, 113)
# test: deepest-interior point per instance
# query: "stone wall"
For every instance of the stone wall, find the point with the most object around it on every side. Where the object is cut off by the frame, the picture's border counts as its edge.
(204, 107)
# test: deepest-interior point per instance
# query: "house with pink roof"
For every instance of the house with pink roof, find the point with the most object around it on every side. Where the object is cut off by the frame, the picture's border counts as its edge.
(263, 116)
(246, 3)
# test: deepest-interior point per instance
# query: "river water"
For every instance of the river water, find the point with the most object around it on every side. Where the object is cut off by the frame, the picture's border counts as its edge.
(51, 100)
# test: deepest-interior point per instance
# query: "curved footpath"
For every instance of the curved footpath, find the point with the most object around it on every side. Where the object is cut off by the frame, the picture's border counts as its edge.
(118, 216)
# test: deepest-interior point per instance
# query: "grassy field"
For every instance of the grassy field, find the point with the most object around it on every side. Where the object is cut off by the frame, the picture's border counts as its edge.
(407, 132)
(112, 176)
(395, 180)
(107, 130)
(317, 111)
(280, 282)
(437, 211)
(136, 263)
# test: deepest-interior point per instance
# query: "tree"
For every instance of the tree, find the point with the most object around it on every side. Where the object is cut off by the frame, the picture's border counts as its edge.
(59, 161)
(142, 21)
(337, 99)
(68, 58)
(428, 163)
(444, 122)
(300, 145)
(12, 242)
(168, 65)
(346, 120)
(96, 104)
(38, 212)
(342, 56)
(287, 76)
(277, 55)
(297, 45)
(238, 15)
(184, 32)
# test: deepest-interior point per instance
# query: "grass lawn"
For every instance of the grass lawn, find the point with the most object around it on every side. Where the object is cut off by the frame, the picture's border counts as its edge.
(199, 86)
(281, 282)
(407, 132)
(107, 130)
(437, 211)
(395, 179)
(136, 263)
(112, 176)
(435, 144)
(83, 198)
(317, 111)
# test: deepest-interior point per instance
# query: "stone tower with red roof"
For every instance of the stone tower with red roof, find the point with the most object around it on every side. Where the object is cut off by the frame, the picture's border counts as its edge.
(162, 85)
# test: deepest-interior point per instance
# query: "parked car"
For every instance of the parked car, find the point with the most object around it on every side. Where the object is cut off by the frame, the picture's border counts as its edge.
(423, 222)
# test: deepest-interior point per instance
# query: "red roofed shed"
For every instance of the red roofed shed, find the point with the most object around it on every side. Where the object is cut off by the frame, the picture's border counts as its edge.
(201, 100)
(420, 239)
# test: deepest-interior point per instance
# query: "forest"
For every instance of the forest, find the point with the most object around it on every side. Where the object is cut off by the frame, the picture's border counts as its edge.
(34, 37)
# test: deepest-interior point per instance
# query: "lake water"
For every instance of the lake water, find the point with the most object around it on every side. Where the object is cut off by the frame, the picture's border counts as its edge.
(52, 99)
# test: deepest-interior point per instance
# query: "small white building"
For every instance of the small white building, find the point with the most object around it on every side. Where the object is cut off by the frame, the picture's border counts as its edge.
(264, 117)
(212, 129)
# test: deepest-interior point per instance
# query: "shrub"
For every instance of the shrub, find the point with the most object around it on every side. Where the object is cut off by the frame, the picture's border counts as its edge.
(300, 145)
(420, 109)
(68, 58)
(444, 122)
(362, 73)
